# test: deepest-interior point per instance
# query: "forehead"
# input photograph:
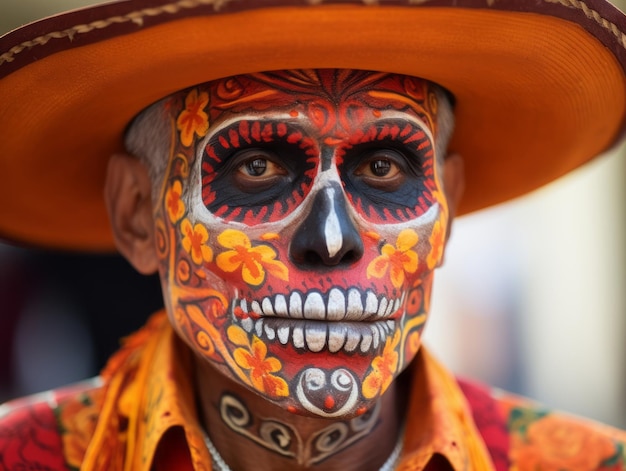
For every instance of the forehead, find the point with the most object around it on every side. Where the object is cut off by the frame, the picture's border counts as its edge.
(351, 94)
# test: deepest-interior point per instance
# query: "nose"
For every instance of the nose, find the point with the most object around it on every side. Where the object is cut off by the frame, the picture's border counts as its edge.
(327, 236)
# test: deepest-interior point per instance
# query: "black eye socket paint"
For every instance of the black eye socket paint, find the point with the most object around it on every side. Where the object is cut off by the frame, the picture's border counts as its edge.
(292, 155)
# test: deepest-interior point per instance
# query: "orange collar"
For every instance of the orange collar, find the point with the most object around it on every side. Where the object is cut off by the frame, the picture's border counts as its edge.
(440, 421)
(149, 387)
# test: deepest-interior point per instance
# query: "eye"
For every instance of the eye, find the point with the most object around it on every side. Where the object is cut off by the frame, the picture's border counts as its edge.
(259, 166)
(382, 169)
(257, 170)
(255, 167)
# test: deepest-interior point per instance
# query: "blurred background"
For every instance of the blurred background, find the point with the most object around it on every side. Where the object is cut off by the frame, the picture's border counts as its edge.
(532, 297)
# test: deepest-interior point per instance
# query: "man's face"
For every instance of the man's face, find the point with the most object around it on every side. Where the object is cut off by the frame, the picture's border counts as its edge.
(299, 222)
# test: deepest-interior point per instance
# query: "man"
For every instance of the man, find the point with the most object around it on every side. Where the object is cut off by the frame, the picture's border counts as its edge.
(295, 203)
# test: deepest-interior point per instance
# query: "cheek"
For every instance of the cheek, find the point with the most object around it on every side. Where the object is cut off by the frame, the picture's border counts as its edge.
(196, 298)
(405, 253)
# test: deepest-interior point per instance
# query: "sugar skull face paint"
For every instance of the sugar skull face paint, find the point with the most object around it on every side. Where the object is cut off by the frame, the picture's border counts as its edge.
(300, 220)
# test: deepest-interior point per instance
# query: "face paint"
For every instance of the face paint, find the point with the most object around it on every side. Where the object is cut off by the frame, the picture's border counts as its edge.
(284, 439)
(300, 220)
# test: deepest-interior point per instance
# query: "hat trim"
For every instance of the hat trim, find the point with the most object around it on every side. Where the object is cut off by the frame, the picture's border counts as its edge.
(595, 16)
(138, 17)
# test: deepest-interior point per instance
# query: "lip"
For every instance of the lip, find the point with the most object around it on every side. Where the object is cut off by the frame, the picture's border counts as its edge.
(339, 320)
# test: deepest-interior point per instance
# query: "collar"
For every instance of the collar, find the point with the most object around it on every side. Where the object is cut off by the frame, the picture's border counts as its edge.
(440, 421)
(149, 388)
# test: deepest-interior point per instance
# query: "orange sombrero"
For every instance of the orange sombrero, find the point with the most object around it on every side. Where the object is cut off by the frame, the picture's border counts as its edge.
(539, 86)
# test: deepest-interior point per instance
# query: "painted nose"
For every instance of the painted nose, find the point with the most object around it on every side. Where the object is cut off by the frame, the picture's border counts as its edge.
(327, 236)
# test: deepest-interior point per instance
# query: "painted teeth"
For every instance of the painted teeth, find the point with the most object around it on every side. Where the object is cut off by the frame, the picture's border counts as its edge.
(319, 336)
(298, 337)
(371, 303)
(272, 319)
(280, 305)
(315, 336)
(270, 333)
(247, 324)
(314, 307)
(256, 308)
(295, 305)
(283, 334)
(335, 306)
(258, 327)
(336, 338)
(355, 307)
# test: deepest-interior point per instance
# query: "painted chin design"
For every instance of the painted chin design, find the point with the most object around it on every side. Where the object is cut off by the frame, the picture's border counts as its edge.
(339, 320)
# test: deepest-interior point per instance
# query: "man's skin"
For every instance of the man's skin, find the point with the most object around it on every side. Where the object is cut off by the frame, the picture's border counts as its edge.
(320, 183)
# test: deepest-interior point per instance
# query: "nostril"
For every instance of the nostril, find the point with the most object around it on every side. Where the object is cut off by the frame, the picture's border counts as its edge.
(351, 256)
(312, 258)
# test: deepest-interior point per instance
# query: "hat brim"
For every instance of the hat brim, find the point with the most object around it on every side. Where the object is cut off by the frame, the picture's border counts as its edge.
(537, 93)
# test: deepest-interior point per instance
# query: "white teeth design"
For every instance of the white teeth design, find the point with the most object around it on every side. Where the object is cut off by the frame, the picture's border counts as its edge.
(382, 307)
(331, 336)
(266, 305)
(336, 337)
(283, 334)
(295, 305)
(355, 306)
(269, 332)
(352, 321)
(381, 329)
(336, 305)
(258, 327)
(352, 341)
(297, 337)
(314, 307)
(375, 335)
(247, 324)
(366, 343)
(315, 336)
(389, 309)
(280, 306)
(256, 308)
(371, 304)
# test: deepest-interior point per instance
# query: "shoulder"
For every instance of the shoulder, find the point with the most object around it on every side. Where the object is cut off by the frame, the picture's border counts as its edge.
(49, 431)
(543, 439)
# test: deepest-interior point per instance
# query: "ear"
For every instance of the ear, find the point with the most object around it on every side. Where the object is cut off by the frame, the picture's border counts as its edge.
(453, 182)
(128, 198)
(453, 187)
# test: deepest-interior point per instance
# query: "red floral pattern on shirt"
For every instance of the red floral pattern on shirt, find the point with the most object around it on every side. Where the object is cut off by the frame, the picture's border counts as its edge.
(29, 438)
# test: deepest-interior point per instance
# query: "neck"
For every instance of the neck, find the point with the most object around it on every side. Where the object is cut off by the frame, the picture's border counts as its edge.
(251, 433)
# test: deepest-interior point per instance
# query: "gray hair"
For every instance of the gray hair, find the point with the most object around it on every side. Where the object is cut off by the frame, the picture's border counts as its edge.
(149, 136)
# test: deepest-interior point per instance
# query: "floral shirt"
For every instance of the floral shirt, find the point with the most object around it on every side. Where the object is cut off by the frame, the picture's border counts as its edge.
(139, 414)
